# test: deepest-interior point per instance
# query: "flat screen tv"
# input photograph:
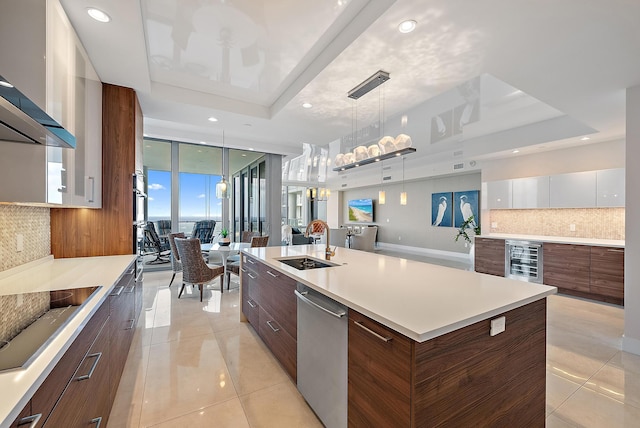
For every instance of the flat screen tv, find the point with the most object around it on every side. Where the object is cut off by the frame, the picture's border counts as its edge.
(361, 210)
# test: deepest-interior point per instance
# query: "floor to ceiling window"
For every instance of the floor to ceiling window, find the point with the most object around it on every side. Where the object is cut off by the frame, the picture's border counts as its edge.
(157, 169)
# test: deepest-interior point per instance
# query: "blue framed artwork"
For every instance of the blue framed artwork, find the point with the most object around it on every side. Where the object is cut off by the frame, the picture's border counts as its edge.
(441, 209)
(465, 205)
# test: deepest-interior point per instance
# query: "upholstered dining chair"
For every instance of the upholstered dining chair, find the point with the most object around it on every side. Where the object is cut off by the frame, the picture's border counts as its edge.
(234, 268)
(247, 235)
(338, 237)
(194, 270)
(365, 240)
(176, 264)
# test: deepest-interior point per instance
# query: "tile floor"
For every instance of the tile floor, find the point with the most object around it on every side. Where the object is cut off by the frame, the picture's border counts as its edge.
(194, 364)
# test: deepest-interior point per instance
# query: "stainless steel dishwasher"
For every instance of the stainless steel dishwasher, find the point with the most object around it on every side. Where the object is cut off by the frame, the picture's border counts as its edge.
(322, 355)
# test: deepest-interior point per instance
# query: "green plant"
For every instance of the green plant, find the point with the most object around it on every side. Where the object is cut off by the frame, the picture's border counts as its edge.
(224, 233)
(462, 231)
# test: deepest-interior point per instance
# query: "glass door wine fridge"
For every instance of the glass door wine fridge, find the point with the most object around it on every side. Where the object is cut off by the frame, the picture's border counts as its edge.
(523, 260)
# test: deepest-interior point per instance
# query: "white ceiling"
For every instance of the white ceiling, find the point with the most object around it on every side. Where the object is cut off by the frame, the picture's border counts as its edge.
(571, 58)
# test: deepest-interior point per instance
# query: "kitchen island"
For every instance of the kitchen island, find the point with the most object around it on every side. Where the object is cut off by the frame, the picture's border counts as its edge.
(433, 355)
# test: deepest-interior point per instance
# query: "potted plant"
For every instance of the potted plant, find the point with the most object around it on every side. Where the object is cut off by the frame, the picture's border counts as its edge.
(462, 231)
(225, 237)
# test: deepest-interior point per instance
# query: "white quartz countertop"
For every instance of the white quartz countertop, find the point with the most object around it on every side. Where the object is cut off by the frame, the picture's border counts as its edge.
(419, 300)
(559, 239)
(17, 386)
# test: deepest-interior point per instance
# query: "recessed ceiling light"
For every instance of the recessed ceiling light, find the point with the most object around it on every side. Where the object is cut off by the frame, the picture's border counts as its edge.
(307, 105)
(6, 84)
(98, 15)
(251, 148)
(407, 26)
(212, 119)
(584, 138)
(244, 155)
(516, 151)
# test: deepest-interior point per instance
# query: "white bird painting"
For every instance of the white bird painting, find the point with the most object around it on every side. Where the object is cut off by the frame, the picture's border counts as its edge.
(442, 208)
(465, 209)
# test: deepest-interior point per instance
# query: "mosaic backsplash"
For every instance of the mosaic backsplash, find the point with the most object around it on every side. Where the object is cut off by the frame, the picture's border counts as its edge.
(33, 223)
(18, 311)
(597, 223)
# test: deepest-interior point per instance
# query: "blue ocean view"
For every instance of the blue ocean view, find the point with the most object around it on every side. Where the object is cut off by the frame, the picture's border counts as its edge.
(365, 205)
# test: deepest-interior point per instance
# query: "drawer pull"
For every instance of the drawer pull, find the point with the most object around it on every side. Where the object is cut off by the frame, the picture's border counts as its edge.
(96, 421)
(250, 303)
(117, 291)
(251, 276)
(385, 339)
(133, 321)
(248, 260)
(243, 270)
(130, 289)
(275, 330)
(272, 274)
(31, 420)
(93, 367)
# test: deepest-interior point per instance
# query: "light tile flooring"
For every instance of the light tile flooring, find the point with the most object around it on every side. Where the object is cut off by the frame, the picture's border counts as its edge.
(194, 364)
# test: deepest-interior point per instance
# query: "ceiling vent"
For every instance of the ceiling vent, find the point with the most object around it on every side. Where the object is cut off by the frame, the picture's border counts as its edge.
(458, 166)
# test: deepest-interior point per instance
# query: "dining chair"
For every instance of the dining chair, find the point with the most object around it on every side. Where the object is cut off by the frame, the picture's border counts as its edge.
(176, 264)
(365, 240)
(247, 235)
(194, 269)
(164, 229)
(234, 268)
(338, 237)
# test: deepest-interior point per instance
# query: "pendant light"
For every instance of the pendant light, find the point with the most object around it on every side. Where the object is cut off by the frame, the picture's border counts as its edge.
(403, 195)
(222, 188)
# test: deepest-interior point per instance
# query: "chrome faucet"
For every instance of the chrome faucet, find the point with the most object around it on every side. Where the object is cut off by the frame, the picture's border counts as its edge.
(327, 252)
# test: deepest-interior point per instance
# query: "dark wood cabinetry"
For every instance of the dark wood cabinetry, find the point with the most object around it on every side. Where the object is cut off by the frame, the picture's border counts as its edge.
(379, 374)
(489, 256)
(269, 303)
(607, 273)
(463, 378)
(567, 266)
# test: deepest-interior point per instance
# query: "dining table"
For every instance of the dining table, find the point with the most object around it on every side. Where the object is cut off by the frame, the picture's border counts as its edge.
(225, 251)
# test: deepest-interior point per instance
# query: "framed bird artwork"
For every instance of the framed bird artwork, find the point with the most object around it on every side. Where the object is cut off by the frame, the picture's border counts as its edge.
(441, 209)
(465, 205)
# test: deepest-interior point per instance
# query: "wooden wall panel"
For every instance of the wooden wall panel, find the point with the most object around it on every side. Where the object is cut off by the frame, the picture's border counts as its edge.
(106, 231)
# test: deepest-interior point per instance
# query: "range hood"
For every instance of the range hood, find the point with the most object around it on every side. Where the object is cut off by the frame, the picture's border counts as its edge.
(22, 121)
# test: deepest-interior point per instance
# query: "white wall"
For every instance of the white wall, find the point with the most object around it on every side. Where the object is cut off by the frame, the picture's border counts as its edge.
(631, 341)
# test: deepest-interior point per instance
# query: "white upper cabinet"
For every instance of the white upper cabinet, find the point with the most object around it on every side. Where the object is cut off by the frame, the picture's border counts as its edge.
(499, 194)
(532, 192)
(574, 190)
(610, 188)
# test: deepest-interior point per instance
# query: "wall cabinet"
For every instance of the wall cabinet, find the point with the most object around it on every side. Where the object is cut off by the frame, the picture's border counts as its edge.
(499, 194)
(532, 192)
(489, 256)
(575, 190)
(610, 185)
(61, 81)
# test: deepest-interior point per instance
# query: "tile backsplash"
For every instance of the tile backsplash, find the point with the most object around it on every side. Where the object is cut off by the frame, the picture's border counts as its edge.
(33, 223)
(597, 223)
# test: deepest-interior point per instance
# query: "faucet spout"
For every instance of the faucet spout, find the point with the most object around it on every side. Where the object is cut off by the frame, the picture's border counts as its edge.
(328, 253)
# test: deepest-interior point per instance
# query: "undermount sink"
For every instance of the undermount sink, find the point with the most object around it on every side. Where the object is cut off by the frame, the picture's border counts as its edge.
(306, 263)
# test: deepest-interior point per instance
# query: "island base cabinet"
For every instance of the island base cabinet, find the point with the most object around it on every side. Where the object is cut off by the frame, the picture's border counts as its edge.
(379, 374)
(281, 344)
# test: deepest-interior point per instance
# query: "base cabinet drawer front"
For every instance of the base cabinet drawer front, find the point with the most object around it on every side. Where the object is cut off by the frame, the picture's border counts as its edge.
(281, 344)
(489, 256)
(122, 328)
(86, 401)
(251, 310)
(379, 374)
(26, 418)
(567, 266)
(278, 298)
(45, 398)
(607, 271)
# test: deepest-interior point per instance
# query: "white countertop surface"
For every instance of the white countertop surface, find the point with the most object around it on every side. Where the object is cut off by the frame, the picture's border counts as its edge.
(17, 386)
(419, 300)
(559, 239)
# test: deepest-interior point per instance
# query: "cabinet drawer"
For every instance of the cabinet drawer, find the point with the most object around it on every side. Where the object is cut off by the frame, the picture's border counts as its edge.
(379, 374)
(489, 256)
(86, 401)
(278, 298)
(26, 418)
(567, 266)
(281, 344)
(607, 271)
(251, 310)
(51, 389)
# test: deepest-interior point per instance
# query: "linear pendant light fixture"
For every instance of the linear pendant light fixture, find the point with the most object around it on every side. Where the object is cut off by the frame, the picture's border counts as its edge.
(377, 79)
(222, 187)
